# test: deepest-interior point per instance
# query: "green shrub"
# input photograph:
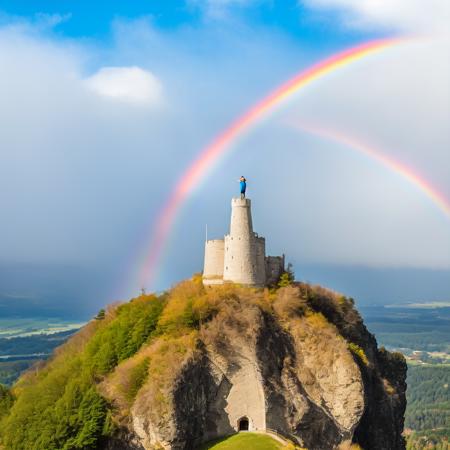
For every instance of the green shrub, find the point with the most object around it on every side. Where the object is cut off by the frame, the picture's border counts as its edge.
(100, 315)
(359, 352)
(134, 323)
(287, 277)
(6, 400)
(138, 375)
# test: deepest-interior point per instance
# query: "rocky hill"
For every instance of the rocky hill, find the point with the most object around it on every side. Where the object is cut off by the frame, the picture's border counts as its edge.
(176, 370)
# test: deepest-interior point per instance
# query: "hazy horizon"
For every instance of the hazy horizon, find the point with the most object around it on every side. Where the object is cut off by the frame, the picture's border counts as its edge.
(71, 292)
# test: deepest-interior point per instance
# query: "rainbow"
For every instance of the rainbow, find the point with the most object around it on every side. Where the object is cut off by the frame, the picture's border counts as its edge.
(378, 155)
(211, 154)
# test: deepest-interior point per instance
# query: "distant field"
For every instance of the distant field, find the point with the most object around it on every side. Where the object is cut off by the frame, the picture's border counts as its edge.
(247, 440)
(411, 328)
(28, 327)
(430, 305)
(25, 341)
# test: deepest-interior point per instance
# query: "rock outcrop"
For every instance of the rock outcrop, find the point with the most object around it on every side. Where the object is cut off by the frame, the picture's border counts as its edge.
(298, 360)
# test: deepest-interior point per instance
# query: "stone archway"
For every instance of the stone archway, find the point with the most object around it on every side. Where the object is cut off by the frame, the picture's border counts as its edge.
(243, 424)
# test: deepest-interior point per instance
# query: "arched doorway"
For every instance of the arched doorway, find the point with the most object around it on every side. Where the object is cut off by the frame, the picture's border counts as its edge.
(243, 424)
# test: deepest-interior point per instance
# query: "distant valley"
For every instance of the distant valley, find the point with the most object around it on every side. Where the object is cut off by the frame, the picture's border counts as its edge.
(23, 342)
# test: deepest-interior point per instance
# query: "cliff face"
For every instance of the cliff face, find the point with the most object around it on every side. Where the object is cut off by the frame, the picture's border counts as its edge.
(299, 361)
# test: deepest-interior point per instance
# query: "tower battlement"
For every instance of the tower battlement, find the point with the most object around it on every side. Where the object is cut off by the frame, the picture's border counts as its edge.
(241, 256)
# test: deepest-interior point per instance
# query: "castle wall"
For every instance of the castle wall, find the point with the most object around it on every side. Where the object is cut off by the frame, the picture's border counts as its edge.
(274, 269)
(239, 260)
(214, 262)
(241, 256)
(260, 261)
(244, 250)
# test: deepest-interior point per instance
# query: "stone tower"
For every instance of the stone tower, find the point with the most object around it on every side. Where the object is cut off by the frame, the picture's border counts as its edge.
(244, 258)
(241, 256)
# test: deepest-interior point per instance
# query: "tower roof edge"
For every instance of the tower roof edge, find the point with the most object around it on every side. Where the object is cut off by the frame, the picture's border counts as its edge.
(236, 201)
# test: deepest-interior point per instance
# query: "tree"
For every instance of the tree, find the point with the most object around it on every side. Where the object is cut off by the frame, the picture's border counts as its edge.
(6, 400)
(287, 277)
(100, 315)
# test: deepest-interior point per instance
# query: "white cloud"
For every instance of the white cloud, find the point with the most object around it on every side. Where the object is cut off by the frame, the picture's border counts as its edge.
(128, 84)
(405, 15)
(51, 20)
(219, 9)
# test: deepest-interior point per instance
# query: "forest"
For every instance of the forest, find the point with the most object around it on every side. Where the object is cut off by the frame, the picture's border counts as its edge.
(428, 410)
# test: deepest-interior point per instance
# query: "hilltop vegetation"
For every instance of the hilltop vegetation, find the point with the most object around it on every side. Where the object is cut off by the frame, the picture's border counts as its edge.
(85, 392)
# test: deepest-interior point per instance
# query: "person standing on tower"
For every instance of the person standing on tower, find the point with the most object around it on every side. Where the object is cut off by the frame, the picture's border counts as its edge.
(243, 185)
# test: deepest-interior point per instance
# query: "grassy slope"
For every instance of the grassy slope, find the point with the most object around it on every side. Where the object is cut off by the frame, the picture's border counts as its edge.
(242, 441)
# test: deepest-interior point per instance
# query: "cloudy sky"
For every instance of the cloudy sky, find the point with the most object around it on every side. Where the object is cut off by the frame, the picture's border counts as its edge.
(102, 109)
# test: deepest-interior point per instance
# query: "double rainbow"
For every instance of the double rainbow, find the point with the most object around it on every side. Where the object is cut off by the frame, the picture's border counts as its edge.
(378, 155)
(211, 154)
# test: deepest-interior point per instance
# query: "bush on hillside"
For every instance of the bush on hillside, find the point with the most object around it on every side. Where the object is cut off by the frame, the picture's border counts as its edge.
(6, 400)
(359, 352)
(289, 302)
(287, 277)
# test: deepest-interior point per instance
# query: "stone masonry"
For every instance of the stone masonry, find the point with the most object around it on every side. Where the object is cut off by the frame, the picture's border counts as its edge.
(241, 256)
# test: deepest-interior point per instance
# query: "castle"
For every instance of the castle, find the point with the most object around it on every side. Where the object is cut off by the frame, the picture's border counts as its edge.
(241, 256)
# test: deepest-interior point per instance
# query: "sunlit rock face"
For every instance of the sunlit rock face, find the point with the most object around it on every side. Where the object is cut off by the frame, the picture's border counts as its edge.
(307, 368)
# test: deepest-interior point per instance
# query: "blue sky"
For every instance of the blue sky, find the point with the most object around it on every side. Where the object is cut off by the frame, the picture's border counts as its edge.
(104, 104)
(84, 19)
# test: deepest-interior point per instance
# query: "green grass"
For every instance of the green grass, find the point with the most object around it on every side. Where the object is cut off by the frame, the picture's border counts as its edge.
(244, 441)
